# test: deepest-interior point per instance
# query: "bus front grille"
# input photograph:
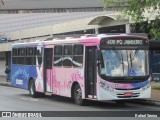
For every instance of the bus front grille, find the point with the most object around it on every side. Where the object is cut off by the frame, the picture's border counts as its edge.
(123, 96)
(127, 89)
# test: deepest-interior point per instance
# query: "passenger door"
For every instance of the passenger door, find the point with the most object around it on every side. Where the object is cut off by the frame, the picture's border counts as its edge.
(90, 72)
(48, 58)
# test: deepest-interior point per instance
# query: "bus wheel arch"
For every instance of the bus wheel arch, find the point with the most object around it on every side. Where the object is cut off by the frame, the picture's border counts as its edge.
(76, 94)
(29, 82)
(72, 89)
(32, 88)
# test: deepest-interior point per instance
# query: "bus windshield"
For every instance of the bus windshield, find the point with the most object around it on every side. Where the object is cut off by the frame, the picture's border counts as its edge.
(119, 63)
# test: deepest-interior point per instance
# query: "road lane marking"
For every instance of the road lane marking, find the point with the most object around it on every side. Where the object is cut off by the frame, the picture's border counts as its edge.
(30, 99)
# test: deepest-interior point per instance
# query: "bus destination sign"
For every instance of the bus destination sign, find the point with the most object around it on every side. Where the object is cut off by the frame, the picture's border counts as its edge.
(123, 42)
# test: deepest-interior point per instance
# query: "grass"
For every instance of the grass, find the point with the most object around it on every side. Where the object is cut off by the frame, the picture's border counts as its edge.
(156, 87)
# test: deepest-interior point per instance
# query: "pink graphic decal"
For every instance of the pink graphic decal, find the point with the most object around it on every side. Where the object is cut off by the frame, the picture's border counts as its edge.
(76, 77)
(126, 86)
(121, 85)
(61, 86)
(48, 79)
(90, 41)
(39, 79)
(116, 85)
(39, 87)
(63, 79)
(39, 68)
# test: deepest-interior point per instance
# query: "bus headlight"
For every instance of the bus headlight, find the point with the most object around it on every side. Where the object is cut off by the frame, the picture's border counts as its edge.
(111, 89)
(106, 88)
(103, 85)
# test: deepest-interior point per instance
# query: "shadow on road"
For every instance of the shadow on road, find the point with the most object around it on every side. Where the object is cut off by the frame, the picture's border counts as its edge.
(97, 104)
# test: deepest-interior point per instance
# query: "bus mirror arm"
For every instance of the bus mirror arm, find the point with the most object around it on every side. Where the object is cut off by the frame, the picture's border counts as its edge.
(98, 62)
(98, 57)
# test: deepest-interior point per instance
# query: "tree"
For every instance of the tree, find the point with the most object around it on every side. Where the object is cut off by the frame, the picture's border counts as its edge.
(144, 12)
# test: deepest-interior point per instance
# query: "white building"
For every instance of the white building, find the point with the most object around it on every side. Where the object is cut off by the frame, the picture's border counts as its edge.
(26, 20)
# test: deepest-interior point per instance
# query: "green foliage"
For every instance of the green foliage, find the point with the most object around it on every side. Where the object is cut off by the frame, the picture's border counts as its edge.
(155, 31)
(156, 87)
(135, 9)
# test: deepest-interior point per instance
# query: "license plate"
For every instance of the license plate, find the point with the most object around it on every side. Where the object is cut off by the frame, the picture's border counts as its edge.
(128, 94)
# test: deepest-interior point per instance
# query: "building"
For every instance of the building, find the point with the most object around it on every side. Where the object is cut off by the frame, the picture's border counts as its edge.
(27, 20)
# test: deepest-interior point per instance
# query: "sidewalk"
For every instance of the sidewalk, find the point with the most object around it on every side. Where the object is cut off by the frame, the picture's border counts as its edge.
(3, 81)
(155, 94)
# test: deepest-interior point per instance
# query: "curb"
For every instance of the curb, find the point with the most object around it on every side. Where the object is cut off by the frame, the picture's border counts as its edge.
(155, 102)
(144, 101)
(6, 84)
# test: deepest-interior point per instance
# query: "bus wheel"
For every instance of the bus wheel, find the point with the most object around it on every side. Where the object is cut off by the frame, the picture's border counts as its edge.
(78, 95)
(32, 90)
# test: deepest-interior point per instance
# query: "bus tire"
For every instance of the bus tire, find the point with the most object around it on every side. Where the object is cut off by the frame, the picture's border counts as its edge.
(78, 95)
(32, 89)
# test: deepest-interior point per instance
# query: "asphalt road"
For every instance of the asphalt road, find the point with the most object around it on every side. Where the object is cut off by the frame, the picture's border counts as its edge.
(15, 99)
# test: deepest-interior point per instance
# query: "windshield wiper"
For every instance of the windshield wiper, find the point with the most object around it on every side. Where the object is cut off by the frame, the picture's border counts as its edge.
(128, 62)
(120, 57)
(131, 59)
(135, 54)
(122, 63)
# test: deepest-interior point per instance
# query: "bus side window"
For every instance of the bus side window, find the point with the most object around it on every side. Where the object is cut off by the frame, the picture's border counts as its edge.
(38, 53)
(14, 55)
(20, 56)
(14, 52)
(58, 56)
(29, 57)
(67, 56)
(77, 56)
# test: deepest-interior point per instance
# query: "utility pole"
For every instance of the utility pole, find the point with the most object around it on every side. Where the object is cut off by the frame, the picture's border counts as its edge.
(128, 28)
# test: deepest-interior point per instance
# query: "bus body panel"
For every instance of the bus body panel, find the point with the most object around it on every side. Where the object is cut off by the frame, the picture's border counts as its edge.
(90, 42)
(39, 81)
(22, 74)
(59, 80)
(114, 91)
(63, 79)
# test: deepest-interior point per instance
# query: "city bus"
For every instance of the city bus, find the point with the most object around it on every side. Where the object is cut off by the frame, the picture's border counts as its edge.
(100, 67)
(155, 60)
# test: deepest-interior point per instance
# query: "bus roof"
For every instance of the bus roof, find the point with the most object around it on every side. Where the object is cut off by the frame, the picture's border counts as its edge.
(94, 39)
